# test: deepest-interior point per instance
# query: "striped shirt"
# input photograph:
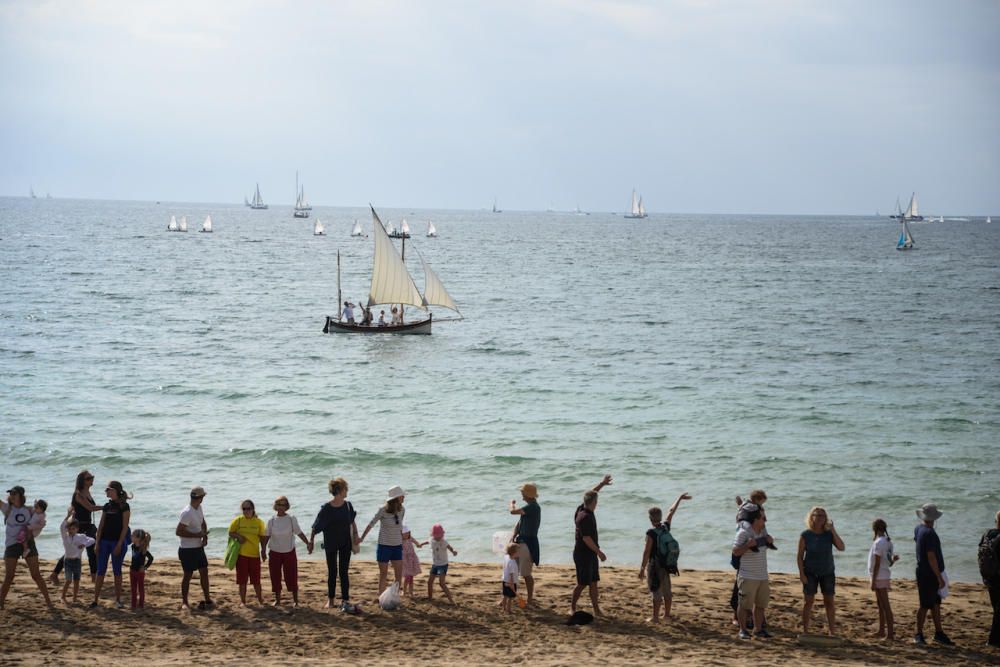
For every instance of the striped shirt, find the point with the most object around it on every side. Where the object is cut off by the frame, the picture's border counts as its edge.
(753, 565)
(390, 531)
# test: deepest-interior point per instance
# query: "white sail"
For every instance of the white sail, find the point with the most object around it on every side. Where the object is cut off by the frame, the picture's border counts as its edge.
(989, 220)
(635, 203)
(642, 209)
(911, 210)
(172, 227)
(183, 227)
(391, 282)
(404, 226)
(906, 231)
(431, 229)
(246, 202)
(357, 231)
(318, 229)
(434, 292)
(390, 229)
(207, 225)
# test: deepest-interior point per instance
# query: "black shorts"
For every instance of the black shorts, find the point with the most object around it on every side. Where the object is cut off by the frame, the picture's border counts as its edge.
(927, 589)
(508, 592)
(192, 558)
(587, 568)
(17, 550)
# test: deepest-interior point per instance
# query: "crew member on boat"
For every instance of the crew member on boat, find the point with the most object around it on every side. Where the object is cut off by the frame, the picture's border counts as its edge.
(349, 312)
(366, 315)
(397, 315)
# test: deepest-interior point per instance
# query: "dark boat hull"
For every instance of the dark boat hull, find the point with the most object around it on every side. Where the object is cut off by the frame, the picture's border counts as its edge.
(422, 328)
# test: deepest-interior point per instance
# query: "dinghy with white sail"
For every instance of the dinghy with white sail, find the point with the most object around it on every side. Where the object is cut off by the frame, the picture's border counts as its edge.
(404, 231)
(393, 284)
(432, 231)
(183, 226)
(356, 230)
(206, 227)
(319, 229)
(172, 225)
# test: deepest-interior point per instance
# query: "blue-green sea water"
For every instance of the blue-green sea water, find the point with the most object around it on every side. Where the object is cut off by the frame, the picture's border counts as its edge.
(708, 354)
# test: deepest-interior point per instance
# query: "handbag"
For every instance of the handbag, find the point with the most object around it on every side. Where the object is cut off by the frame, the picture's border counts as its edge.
(232, 553)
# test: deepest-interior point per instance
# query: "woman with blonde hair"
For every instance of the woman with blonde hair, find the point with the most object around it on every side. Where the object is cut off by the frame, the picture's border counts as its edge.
(390, 537)
(282, 528)
(336, 521)
(816, 567)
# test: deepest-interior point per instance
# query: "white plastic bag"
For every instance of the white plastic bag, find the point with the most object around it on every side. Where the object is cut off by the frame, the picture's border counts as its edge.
(500, 541)
(389, 599)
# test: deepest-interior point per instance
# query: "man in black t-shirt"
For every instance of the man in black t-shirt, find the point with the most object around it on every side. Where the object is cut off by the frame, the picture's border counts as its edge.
(586, 549)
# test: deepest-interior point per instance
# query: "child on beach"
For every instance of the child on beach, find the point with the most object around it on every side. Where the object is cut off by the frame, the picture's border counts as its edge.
(880, 559)
(74, 543)
(658, 577)
(439, 567)
(511, 571)
(141, 560)
(411, 562)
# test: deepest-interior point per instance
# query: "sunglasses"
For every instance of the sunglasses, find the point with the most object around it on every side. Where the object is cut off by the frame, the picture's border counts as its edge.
(248, 509)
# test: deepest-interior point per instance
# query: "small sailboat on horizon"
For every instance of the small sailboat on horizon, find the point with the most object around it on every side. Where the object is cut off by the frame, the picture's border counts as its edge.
(183, 227)
(206, 227)
(432, 231)
(495, 209)
(318, 228)
(356, 231)
(637, 210)
(403, 233)
(258, 202)
(172, 225)
(300, 210)
(905, 241)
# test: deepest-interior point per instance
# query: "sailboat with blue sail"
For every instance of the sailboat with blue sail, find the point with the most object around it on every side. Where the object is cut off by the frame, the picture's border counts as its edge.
(905, 239)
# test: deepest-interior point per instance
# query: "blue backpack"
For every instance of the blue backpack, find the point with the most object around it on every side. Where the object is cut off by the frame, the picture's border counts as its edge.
(666, 549)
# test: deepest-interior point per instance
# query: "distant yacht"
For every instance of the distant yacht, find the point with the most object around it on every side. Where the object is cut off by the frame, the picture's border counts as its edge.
(206, 227)
(31, 192)
(432, 231)
(318, 229)
(495, 209)
(258, 201)
(911, 213)
(356, 230)
(301, 209)
(637, 210)
(578, 211)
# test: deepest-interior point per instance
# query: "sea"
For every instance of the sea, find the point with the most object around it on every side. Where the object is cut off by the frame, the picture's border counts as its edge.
(700, 354)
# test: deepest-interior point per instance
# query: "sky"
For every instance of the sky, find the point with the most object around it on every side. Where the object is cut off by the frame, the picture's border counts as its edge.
(703, 106)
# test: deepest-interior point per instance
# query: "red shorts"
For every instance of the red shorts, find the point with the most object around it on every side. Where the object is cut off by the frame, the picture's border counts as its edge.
(247, 568)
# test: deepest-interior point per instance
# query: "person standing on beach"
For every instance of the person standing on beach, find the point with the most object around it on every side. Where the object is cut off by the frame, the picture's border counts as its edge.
(751, 578)
(336, 521)
(83, 506)
(880, 560)
(280, 534)
(931, 578)
(247, 529)
(18, 543)
(112, 540)
(390, 537)
(526, 535)
(989, 568)
(658, 577)
(193, 533)
(586, 549)
(816, 567)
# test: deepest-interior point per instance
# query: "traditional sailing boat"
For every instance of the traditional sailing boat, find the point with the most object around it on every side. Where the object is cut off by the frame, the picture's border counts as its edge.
(403, 233)
(300, 210)
(911, 212)
(905, 240)
(258, 202)
(393, 284)
(206, 227)
(183, 227)
(172, 225)
(432, 231)
(319, 229)
(357, 231)
(637, 210)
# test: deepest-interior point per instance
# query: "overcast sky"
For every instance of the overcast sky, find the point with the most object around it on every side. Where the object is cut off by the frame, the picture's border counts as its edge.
(703, 106)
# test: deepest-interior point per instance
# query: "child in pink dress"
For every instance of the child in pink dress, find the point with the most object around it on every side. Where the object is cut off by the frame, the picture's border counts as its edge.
(411, 562)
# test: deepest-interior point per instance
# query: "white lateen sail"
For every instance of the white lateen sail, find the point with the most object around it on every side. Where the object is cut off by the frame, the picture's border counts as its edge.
(404, 226)
(434, 292)
(357, 231)
(318, 229)
(207, 225)
(172, 225)
(184, 224)
(391, 282)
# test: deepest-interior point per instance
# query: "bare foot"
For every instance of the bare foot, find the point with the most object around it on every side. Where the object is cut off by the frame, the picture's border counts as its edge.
(653, 619)
(328, 605)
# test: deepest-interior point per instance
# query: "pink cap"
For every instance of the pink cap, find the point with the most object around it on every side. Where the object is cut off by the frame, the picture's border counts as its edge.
(437, 531)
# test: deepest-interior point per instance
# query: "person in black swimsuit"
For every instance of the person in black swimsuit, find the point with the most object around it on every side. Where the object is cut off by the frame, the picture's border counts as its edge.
(83, 506)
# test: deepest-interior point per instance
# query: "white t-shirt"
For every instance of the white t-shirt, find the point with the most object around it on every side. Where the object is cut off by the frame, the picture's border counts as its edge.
(192, 519)
(282, 531)
(15, 518)
(73, 546)
(511, 571)
(881, 547)
(348, 313)
(439, 551)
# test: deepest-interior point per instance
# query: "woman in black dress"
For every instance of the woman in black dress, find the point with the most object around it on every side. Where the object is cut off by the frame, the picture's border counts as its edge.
(336, 521)
(83, 506)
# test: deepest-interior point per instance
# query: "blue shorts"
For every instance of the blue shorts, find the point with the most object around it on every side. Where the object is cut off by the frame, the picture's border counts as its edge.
(439, 570)
(385, 553)
(825, 583)
(106, 550)
(72, 570)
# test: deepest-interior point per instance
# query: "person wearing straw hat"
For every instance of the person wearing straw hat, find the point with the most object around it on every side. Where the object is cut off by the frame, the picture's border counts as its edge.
(931, 579)
(390, 537)
(526, 535)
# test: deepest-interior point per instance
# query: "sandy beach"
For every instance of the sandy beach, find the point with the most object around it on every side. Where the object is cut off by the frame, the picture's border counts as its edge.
(473, 631)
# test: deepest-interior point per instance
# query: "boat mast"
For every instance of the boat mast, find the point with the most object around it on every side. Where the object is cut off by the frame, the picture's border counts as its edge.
(339, 311)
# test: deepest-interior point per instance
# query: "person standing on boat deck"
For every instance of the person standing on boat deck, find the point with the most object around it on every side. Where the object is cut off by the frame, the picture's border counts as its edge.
(381, 318)
(193, 533)
(83, 506)
(587, 550)
(349, 312)
(397, 315)
(526, 535)
(930, 574)
(336, 521)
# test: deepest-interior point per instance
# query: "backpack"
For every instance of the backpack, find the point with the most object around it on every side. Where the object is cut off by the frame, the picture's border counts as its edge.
(989, 563)
(666, 549)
